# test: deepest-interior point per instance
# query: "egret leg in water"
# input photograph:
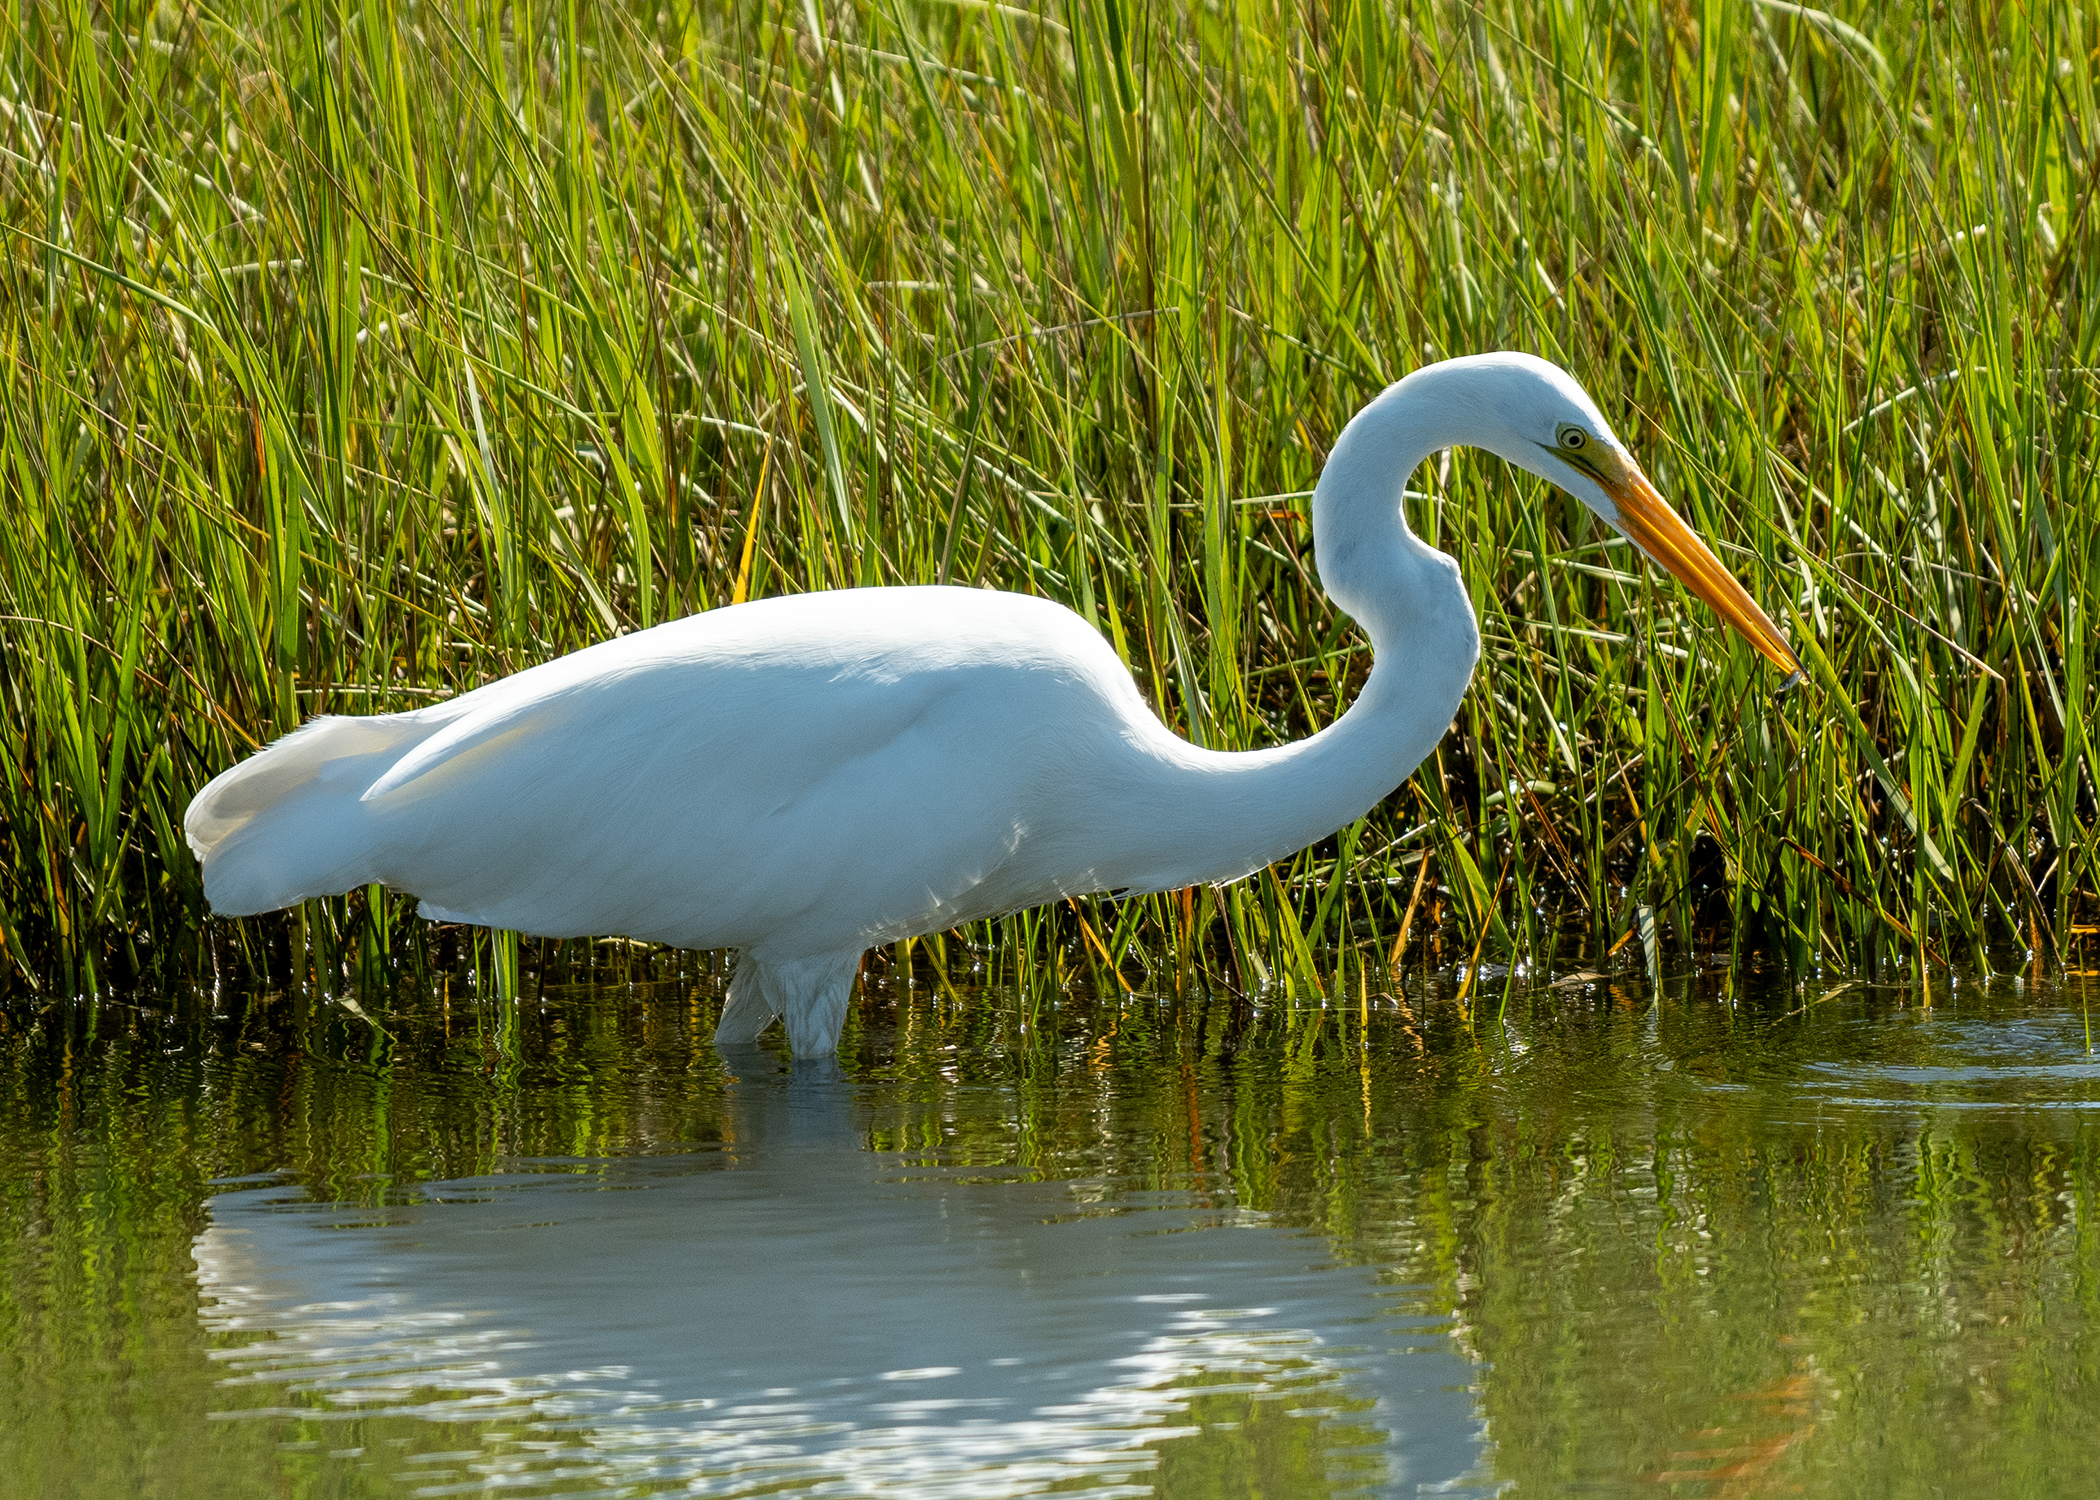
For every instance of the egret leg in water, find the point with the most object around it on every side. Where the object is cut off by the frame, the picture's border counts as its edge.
(803, 778)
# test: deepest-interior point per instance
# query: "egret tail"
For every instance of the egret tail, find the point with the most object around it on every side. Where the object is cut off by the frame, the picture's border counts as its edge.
(287, 824)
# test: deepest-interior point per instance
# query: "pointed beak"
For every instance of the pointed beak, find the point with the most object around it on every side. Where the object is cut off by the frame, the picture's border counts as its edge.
(1661, 533)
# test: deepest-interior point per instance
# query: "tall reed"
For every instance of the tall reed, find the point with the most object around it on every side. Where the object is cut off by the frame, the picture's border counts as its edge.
(356, 355)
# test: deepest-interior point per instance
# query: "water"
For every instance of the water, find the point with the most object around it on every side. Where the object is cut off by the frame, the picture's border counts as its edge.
(1716, 1242)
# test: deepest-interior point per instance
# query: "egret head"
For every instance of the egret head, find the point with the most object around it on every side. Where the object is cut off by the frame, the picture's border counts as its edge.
(1549, 425)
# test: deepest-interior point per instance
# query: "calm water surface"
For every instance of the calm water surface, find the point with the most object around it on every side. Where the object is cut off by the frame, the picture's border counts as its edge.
(1717, 1241)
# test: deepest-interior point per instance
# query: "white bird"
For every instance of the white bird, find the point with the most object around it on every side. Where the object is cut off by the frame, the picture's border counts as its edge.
(802, 778)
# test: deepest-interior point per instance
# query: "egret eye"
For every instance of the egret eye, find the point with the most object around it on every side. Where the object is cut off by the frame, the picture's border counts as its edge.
(1572, 438)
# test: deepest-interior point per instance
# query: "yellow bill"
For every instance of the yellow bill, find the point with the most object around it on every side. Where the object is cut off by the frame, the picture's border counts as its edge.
(1661, 533)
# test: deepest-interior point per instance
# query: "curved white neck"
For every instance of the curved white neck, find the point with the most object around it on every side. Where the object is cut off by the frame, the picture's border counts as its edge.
(1232, 813)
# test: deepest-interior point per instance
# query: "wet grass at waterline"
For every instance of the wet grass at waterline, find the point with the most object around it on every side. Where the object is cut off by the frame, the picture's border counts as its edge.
(357, 355)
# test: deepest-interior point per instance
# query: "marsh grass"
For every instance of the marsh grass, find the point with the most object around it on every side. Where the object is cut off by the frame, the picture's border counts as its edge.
(356, 355)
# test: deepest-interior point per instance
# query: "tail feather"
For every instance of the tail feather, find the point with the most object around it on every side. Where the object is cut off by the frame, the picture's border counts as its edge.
(285, 824)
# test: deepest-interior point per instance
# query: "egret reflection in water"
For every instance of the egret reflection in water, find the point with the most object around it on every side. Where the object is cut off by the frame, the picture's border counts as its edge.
(793, 1310)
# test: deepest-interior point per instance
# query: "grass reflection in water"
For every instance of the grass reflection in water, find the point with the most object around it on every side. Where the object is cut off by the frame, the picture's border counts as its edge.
(1196, 1247)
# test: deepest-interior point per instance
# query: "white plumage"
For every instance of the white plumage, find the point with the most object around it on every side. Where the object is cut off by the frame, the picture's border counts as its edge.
(803, 777)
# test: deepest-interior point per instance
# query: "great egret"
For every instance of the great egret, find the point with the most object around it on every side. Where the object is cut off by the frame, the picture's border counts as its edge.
(802, 778)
